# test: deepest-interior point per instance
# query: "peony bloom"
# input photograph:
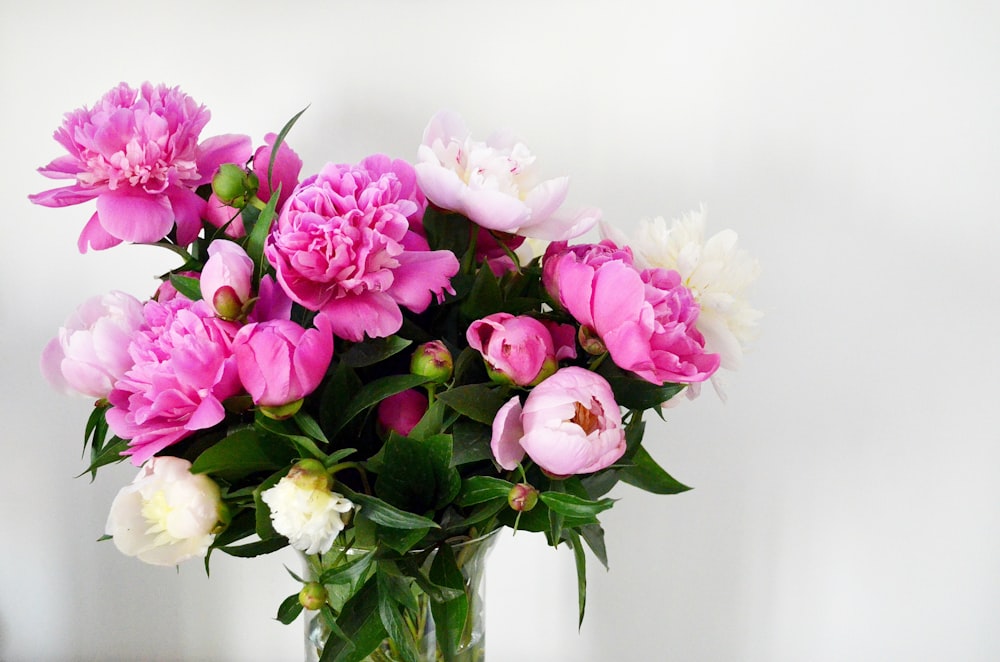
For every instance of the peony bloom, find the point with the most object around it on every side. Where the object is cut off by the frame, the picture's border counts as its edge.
(401, 412)
(227, 278)
(287, 166)
(91, 351)
(304, 510)
(517, 349)
(645, 320)
(137, 153)
(343, 246)
(183, 368)
(279, 362)
(167, 514)
(494, 184)
(569, 424)
(718, 274)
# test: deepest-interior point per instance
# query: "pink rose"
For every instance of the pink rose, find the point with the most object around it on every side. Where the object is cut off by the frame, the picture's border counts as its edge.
(279, 362)
(402, 412)
(91, 351)
(495, 183)
(343, 246)
(569, 424)
(516, 349)
(183, 369)
(137, 153)
(227, 278)
(645, 319)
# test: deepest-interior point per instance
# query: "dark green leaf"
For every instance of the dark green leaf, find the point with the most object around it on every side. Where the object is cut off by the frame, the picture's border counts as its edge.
(378, 390)
(431, 423)
(349, 572)
(242, 453)
(189, 287)
(593, 535)
(258, 235)
(478, 489)
(290, 609)
(485, 297)
(110, 453)
(633, 392)
(646, 474)
(573, 506)
(392, 620)
(371, 351)
(581, 572)
(256, 548)
(280, 138)
(262, 514)
(359, 621)
(447, 231)
(380, 512)
(339, 389)
(480, 514)
(242, 526)
(480, 402)
(309, 426)
(280, 429)
(470, 442)
(401, 540)
(450, 615)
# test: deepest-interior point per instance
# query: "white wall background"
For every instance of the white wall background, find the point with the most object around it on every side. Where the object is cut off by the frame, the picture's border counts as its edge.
(846, 503)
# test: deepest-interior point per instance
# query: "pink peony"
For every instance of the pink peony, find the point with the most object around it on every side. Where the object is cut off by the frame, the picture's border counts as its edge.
(272, 302)
(646, 320)
(401, 412)
(343, 246)
(287, 166)
(517, 349)
(227, 278)
(495, 183)
(279, 362)
(569, 424)
(183, 369)
(91, 351)
(137, 153)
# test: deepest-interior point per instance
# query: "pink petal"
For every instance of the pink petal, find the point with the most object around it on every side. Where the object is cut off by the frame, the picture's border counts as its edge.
(135, 216)
(420, 275)
(213, 152)
(95, 236)
(371, 313)
(507, 432)
(65, 196)
(188, 209)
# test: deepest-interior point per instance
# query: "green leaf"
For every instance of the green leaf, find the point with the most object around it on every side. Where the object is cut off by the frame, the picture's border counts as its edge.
(447, 231)
(430, 424)
(262, 513)
(258, 235)
(478, 489)
(110, 453)
(581, 572)
(258, 548)
(380, 512)
(480, 514)
(339, 389)
(289, 609)
(646, 474)
(280, 138)
(370, 352)
(401, 540)
(242, 453)
(450, 615)
(633, 392)
(392, 620)
(569, 505)
(593, 535)
(349, 572)
(242, 526)
(480, 402)
(97, 429)
(485, 297)
(417, 475)
(470, 442)
(279, 428)
(189, 287)
(310, 427)
(376, 391)
(360, 622)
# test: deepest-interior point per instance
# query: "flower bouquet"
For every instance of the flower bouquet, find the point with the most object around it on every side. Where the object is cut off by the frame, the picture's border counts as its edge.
(371, 363)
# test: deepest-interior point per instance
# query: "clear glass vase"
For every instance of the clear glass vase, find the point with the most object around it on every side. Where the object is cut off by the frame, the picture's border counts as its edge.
(470, 558)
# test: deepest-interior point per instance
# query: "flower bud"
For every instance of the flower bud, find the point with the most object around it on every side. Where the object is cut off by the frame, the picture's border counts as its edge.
(310, 474)
(282, 412)
(227, 303)
(522, 497)
(233, 185)
(433, 361)
(312, 596)
(591, 342)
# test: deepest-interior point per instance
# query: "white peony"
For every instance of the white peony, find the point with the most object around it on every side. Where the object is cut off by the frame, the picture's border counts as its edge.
(304, 510)
(715, 270)
(167, 514)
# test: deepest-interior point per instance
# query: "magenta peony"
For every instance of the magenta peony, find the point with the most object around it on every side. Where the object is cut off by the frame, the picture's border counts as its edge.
(183, 369)
(343, 246)
(517, 349)
(494, 184)
(91, 351)
(137, 153)
(569, 424)
(645, 320)
(279, 362)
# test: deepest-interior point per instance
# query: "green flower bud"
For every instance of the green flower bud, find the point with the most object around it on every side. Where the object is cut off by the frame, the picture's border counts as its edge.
(281, 412)
(233, 185)
(433, 361)
(310, 474)
(522, 497)
(312, 596)
(590, 341)
(227, 303)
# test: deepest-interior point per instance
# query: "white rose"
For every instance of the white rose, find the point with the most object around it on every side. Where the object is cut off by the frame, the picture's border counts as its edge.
(167, 514)
(304, 510)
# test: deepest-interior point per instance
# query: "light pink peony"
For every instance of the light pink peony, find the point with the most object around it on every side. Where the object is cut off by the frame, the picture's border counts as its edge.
(91, 351)
(287, 166)
(402, 412)
(279, 362)
(569, 424)
(494, 184)
(137, 153)
(227, 278)
(183, 369)
(645, 319)
(343, 246)
(166, 515)
(517, 349)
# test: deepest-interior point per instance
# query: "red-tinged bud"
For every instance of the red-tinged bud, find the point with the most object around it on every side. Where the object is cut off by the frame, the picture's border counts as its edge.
(433, 361)
(590, 341)
(522, 497)
(313, 596)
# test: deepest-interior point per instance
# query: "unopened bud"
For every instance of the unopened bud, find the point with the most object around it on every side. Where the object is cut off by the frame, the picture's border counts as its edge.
(310, 474)
(312, 596)
(433, 361)
(522, 497)
(233, 185)
(227, 303)
(590, 341)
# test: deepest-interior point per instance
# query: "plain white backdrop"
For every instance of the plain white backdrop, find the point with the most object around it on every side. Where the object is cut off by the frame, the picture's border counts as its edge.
(846, 505)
